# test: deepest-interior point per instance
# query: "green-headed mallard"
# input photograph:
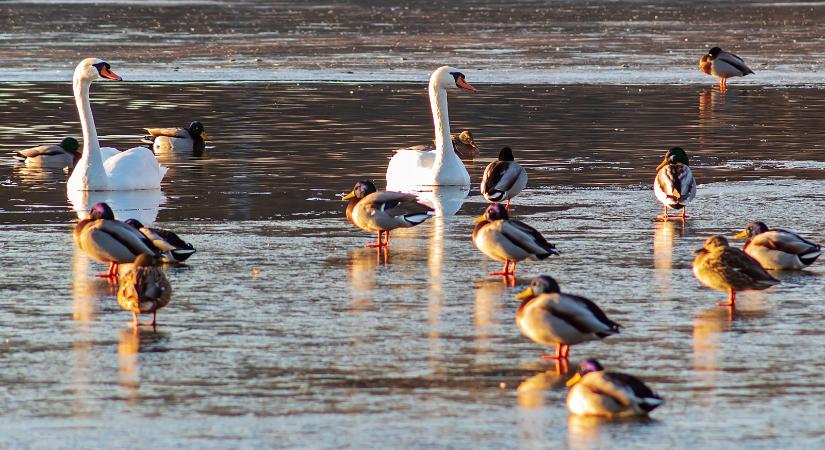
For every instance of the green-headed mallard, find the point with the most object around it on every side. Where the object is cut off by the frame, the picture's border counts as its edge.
(778, 249)
(597, 392)
(724, 268)
(144, 289)
(723, 65)
(172, 247)
(509, 241)
(191, 138)
(674, 185)
(108, 240)
(549, 317)
(381, 212)
(503, 179)
(65, 154)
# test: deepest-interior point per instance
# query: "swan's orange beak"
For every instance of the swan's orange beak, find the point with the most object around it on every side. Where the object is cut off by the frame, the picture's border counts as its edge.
(465, 85)
(105, 72)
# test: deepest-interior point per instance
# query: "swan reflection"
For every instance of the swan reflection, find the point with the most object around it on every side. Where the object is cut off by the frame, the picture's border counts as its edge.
(446, 200)
(142, 205)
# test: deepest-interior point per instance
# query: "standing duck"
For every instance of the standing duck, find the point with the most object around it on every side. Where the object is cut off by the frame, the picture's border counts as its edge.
(381, 212)
(172, 247)
(108, 240)
(778, 249)
(723, 65)
(597, 392)
(508, 240)
(503, 179)
(674, 185)
(549, 317)
(144, 289)
(724, 268)
(65, 154)
(191, 138)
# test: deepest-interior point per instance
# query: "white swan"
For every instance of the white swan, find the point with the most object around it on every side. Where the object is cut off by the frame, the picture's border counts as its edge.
(441, 166)
(98, 170)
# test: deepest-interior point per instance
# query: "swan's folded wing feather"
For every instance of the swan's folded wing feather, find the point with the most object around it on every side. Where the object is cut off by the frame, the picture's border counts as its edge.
(416, 148)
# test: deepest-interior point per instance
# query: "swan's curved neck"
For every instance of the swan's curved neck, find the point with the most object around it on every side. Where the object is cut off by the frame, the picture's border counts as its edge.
(91, 148)
(441, 120)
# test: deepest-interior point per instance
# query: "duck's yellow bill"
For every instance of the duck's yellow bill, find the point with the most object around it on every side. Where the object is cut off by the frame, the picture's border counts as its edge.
(348, 196)
(204, 136)
(741, 235)
(480, 219)
(661, 164)
(573, 380)
(527, 293)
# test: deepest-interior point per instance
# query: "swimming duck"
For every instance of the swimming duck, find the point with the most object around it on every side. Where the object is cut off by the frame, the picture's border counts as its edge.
(381, 212)
(503, 179)
(724, 268)
(596, 392)
(778, 249)
(674, 185)
(508, 240)
(144, 289)
(108, 240)
(723, 65)
(172, 247)
(547, 316)
(65, 154)
(191, 138)
(464, 145)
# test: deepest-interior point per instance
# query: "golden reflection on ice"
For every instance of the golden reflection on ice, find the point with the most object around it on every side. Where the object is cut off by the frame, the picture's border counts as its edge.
(488, 302)
(584, 432)
(665, 233)
(531, 396)
(363, 263)
(128, 348)
(708, 325)
(87, 290)
(435, 291)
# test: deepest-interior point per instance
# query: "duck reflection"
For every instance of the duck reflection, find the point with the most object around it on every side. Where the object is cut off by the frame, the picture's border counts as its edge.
(87, 291)
(362, 266)
(446, 200)
(586, 432)
(665, 234)
(489, 296)
(128, 374)
(141, 205)
(708, 325)
(532, 390)
(39, 175)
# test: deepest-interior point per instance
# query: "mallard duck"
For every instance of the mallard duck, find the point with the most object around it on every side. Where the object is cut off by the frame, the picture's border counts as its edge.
(191, 138)
(108, 240)
(596, 392)
(508, 240)
(64, 154)
(724, 268)
(144, 289)
(549, 317)
(778, 249)
(503, 179)
(381, 212)
(674, 185)
(723, 65)
(464, 145)
(173, 248)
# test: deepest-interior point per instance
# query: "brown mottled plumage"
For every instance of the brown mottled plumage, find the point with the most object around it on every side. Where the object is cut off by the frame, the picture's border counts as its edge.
(144, 289)
(724, 268)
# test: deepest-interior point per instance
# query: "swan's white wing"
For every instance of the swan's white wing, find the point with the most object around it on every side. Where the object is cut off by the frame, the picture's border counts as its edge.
(133, 169)
(108, 152)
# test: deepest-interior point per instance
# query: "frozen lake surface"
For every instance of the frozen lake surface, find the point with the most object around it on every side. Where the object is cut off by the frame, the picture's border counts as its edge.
(284, 332)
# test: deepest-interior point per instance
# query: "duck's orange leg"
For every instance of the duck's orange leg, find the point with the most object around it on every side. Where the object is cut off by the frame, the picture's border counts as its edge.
(562, 351)
(731, 300)
(377, 243)
(505, 271)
